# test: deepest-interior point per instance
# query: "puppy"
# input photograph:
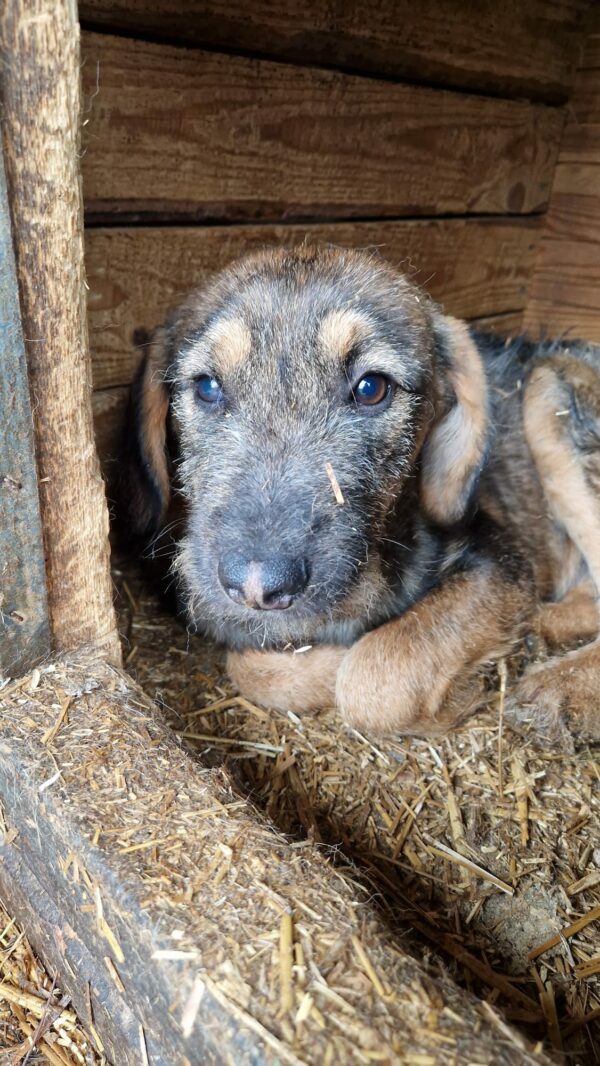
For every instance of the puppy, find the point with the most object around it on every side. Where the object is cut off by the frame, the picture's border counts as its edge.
(377, 498)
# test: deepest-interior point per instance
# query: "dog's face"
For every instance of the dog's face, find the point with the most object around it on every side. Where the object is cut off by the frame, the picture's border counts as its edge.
(314, 404)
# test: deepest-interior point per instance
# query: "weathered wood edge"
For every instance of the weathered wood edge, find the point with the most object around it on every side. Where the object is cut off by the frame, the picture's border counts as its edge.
(563, 293)
(24, 629)
(119, 1027)
(36, 887)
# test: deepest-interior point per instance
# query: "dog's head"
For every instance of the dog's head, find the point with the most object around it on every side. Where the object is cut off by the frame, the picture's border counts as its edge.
(321, 406)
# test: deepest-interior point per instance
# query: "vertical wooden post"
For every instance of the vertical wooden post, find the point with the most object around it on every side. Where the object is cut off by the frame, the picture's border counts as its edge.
(41, 110)
(24, 634)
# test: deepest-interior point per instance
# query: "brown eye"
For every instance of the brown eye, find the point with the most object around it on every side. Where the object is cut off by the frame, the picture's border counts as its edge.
(371, 390)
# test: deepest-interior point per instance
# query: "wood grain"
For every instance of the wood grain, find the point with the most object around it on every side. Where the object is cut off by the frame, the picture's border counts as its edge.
(509, 324)
(565, 289)
(40, 63)
(24, 629)
(176, 134)
(475, 267)
(514, 48)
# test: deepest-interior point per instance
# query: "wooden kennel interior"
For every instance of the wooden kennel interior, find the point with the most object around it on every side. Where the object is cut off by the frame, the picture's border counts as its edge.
(463, 141)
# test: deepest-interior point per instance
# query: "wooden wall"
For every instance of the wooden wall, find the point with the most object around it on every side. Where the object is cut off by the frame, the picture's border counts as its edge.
(565, 290)
(430, 131)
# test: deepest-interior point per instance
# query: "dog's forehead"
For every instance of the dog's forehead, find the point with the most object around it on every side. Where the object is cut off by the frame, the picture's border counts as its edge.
(313, 314)
(291, 306)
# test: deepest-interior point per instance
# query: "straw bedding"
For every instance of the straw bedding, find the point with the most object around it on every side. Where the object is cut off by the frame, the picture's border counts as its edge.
(478, 855)
(37, 1024)
(480, 848)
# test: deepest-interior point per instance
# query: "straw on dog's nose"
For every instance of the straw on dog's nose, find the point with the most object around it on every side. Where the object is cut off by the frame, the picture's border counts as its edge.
(266, 585)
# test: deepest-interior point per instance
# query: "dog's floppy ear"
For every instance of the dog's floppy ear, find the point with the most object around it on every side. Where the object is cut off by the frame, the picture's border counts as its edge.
(456, 446)
(145, 475)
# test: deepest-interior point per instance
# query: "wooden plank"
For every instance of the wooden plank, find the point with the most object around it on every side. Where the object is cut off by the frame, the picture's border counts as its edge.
(512, 48)
(591, 53)
(156, 894)
(24, 631)
(565, 289)
(40, 62)
(509, 324)
(566, 292)
(187, 134)
(476, 267)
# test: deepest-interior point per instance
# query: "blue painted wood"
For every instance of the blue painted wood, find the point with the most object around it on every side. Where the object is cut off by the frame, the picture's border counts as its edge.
(24, 628)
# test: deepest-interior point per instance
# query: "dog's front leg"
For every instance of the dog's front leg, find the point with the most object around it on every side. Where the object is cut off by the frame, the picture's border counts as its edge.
(420, 673)
(287, 680)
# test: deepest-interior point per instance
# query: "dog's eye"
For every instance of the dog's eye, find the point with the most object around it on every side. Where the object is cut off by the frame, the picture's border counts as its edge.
(371, 390)
(208, 389)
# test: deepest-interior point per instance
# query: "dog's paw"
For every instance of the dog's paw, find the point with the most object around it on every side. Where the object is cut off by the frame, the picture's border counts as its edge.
(544, 728)
(394, 689)
(393, 685)
(558, 699)
(287, 681)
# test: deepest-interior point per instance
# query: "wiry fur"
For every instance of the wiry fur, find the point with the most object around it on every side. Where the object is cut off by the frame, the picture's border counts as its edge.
(447, 537)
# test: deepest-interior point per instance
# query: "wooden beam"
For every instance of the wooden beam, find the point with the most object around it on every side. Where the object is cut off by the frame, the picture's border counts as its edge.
(24, 632)
(508, 324)
(157, 895)
(181, 134)
(515, 48)
(40, 63)
(565, 289)
(135, 275)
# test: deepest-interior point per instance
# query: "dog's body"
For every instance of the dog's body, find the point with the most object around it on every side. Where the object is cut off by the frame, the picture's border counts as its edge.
(366, 477)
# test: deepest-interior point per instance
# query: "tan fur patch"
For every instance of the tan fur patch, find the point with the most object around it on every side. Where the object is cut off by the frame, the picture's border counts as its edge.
(453, 451)
(341, 330)
(572, 502)
(231, 343)
(576, 617)
(566, 687)
(419, 673)
(222, 349)
(288, 681)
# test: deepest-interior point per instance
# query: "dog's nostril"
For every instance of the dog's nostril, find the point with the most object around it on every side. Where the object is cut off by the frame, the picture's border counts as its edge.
(282, 579)
(268, 585)
(233, 573)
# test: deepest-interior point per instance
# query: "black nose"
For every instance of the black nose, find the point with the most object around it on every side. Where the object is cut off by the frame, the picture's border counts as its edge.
(267, 584)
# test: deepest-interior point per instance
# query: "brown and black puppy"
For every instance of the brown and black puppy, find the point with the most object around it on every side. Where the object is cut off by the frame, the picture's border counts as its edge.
(367, 479)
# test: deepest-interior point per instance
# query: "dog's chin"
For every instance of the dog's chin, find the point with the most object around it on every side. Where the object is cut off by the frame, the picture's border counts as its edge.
(241, 627)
